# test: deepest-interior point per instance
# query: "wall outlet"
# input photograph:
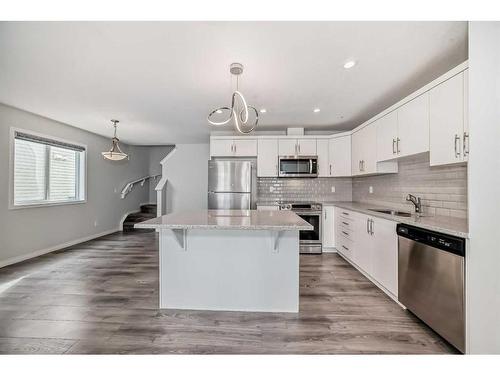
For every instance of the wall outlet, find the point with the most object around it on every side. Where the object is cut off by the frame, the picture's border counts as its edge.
(333, 189)
(370, 190)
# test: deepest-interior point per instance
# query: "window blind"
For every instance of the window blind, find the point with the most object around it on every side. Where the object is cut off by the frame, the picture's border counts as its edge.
(46, 141)
(46, 170)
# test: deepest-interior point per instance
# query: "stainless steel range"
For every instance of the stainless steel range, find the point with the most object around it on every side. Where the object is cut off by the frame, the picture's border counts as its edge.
(310, 240)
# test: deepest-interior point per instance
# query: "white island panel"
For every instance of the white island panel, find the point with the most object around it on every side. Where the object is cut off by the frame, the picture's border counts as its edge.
(237, 270)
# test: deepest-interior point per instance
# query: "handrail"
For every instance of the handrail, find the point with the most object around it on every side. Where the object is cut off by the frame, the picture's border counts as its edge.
(128, 188)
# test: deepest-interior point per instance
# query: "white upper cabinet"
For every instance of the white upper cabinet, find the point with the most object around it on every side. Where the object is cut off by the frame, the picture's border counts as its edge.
(297, 147)
(221, 147)
(387, 135)
(465, 137)
(322, 146)
(307, 147)
(287, 147)
(364, 153)
(267, 158)
(233, 147)
(413, 127)
(447, 121)
(339, 152)
(404, 131)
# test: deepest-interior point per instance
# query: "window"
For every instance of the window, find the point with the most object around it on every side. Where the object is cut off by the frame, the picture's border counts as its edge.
(47, 171)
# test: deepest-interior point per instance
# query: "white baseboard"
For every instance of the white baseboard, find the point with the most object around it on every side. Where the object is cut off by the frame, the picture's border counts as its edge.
(329, 250)
(37, 253)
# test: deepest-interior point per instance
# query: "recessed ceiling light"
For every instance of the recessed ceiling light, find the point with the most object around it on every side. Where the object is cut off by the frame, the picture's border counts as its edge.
(316, 110)
(349, 64)
(263, 110)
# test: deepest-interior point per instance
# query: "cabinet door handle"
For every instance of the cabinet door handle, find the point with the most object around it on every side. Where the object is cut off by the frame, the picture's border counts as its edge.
(371, 227)
(457, 148)
(466, 144)
(345, 248)
(397, 145)
(345, 223)
(299, 148)
(347, 234)
(330, 169)
(393, 146)
(325, 214)
(368, 226)
(345, 213)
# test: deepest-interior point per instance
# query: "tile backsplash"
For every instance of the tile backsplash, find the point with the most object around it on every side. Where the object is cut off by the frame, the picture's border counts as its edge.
(304, 189)
(443, 189)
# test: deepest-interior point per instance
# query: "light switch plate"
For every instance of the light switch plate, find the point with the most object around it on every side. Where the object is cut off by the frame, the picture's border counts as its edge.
(333, 189)
(370, 190)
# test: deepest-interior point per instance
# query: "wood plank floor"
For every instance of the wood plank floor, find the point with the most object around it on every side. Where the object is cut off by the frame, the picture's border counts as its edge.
(102, 297)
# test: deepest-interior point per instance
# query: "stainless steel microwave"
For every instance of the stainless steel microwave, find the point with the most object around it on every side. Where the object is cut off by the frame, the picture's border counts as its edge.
(298, 166)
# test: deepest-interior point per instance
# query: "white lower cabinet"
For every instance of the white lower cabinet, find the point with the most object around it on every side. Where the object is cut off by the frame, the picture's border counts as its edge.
(371, 244)
(384, 253)
(328, 226)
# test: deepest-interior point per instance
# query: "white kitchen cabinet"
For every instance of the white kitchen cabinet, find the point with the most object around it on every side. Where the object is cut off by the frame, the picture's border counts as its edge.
(322, 146)
(387, 135)
(384, 252)
(364, 153)
(371, 244)
(307, 147)
(267, 158)
(413, 127)
(404, 131)
(287, 147)
(245, 147)
(447, 103)
(328, 226)
(233, 147)
(221, 147)
(339, 153)
(364, 244)
(297, 147)
(465, 137)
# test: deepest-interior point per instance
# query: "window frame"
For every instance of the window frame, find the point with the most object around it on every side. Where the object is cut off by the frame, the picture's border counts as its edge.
(82, 172)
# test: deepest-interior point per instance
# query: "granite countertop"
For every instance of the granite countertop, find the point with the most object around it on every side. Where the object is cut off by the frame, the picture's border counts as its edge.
(443, 224)
(229, 219)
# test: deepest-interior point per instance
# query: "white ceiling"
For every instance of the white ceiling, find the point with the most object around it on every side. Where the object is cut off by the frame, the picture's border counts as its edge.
(160, 79)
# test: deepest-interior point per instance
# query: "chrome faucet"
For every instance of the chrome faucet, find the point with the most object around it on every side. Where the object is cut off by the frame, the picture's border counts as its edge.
(416, 201)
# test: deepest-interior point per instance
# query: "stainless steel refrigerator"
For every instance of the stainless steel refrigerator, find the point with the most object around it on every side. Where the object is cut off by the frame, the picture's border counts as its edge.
(230, 184)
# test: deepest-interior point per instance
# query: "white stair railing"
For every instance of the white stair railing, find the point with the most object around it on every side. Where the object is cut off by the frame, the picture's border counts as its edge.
(128, 188)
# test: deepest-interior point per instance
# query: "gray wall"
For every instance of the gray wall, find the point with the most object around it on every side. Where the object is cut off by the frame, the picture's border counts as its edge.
(443, 189)
(27, 230)
(303, 189)
(156, 155)
(483, 254)
(187, 173)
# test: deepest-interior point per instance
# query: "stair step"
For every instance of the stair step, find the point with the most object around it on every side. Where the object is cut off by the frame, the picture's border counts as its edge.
(140, 216)
(148, 208)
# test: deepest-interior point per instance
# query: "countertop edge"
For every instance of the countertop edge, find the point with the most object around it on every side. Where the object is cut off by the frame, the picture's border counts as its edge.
(398, 219)
(223, 227)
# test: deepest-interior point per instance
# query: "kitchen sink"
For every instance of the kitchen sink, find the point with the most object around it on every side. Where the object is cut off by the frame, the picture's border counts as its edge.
(391, 212)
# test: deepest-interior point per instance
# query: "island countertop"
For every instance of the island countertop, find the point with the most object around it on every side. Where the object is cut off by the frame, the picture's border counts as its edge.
(229, 219)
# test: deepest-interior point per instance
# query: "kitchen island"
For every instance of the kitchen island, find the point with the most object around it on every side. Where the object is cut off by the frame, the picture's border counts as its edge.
(234, 260)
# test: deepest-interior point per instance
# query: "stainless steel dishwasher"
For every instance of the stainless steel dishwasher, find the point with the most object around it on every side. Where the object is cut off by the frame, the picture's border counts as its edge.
(431, 274)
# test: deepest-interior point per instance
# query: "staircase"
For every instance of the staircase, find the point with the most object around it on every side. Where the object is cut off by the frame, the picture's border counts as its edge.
(148, 211)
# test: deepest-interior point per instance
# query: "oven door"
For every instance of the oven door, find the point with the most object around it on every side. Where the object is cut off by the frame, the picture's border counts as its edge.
(310, 240)
(298, 166)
